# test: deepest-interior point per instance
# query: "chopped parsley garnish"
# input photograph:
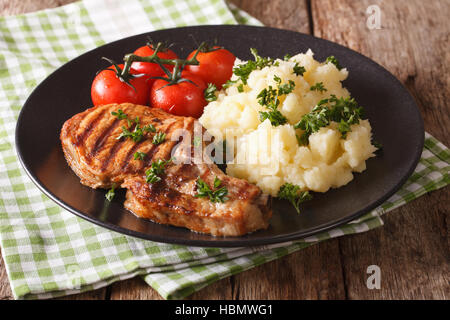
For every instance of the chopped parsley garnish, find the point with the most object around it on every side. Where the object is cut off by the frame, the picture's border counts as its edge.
(210, 92)
(299, 70)
(154, 173)
(111, 193)
(262, 62)
(135, 135)
(204, 191)
(286, 57)
(149, 128)
(269, 97)
(243, 70)
(159, 138)
(119, 114)
(318, 87)
(139, 155)
(312, 122)
(277, 79)
(293, 194)
(229, 83)
(275, 117)
(286, 88)
(334, 61)
(377, 145)
(130, 122)
(344, 111)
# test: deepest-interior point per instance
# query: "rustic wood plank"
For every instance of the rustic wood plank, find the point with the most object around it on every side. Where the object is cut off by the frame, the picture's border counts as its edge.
(11, 7)
(412, 44)
(412, 249)
(286, 14)
(137, 289)
(133, 289)
(99, 294)
(311, 273)
(5, 289)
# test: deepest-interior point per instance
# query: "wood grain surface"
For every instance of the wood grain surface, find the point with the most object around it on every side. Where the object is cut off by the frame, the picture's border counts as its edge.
(412, 248)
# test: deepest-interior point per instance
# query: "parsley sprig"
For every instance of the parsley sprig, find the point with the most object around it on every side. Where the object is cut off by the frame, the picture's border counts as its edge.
(243, 70)
(229, 83)
(204, 191)
(138, 132)
(293, 194)
(299, 70)
(344, 111)
(318, 87)
(275, 117)
(120, 114)
(135, 135)
(111, 193)
(210, 92)
(269, 97)
(139, 155)
(334, 61)
(154, 173)
(159, 138)
(123, 116)
(149, 128)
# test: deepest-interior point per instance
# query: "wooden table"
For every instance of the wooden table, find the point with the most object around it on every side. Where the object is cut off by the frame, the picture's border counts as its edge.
(412, 249)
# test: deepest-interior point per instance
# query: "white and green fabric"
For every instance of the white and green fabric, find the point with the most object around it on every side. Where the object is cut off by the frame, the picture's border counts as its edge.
(49, 252)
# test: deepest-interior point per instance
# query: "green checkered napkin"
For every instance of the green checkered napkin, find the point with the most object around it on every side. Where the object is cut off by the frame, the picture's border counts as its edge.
(49, 252)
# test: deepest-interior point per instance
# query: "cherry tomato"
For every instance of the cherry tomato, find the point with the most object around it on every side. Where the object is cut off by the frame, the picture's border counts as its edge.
(215, 66)
(108, 88)
(152, 69)
(182, 99)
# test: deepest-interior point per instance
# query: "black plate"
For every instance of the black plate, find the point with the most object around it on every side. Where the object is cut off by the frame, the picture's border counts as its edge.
(392, 112)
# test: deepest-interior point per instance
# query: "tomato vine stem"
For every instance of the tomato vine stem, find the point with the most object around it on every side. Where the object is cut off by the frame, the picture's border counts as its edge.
(172, 77)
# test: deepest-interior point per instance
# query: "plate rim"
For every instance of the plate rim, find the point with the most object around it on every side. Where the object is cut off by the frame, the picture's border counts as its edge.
(221, 242)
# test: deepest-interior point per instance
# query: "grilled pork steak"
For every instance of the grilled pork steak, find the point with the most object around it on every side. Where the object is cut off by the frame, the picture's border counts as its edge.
(92, 149)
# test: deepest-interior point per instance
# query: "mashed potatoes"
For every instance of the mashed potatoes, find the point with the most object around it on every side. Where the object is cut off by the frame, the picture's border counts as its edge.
(270, 156)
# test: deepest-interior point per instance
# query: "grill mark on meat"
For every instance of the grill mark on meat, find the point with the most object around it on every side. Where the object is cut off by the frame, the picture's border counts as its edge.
(154, 149)
(166, 131)
(151, 153)
(102, 138)
(91, 126)
(167, 196)
(114, 150)
(126, 161)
